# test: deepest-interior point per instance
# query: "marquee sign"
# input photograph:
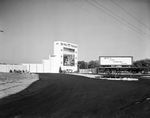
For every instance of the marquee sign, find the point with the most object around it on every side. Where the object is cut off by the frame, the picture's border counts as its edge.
(116, 60)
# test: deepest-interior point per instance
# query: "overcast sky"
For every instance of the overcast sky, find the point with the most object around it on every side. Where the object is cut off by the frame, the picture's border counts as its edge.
(98, 27)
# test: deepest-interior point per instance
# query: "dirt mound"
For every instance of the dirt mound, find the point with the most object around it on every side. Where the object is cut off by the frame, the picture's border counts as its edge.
(11, 83)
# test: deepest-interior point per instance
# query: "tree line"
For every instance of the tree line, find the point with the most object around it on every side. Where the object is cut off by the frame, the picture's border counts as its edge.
(86, 65)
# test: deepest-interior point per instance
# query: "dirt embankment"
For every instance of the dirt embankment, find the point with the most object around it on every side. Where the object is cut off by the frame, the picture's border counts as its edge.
(11, 83)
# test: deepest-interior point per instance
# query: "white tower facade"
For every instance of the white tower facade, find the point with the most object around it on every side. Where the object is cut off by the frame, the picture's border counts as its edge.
(67, 56)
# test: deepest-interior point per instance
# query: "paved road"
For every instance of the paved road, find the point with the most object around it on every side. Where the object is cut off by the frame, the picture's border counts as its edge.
(70, 96)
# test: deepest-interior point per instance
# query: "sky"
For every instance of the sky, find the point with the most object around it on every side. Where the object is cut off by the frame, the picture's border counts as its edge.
(98, 27)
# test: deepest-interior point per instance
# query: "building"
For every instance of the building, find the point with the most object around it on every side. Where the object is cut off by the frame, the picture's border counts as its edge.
(54, 67)
(65, 57)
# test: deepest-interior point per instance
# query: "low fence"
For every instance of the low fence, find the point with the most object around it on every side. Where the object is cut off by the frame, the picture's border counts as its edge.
(8, 68)
(90, 71)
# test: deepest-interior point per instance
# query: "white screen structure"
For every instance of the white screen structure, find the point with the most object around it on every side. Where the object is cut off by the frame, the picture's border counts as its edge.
(106, 60)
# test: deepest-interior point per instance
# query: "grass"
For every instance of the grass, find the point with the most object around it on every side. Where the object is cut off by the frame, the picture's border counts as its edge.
(70, 96)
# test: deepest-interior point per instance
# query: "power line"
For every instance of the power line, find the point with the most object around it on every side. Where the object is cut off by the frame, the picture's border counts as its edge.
(88, 11)
(127, 24)
(130, 14)
(123, 19)
(99, 17)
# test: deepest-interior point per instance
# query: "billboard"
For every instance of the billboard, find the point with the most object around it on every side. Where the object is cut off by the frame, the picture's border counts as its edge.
(68, 60)
(116, 60)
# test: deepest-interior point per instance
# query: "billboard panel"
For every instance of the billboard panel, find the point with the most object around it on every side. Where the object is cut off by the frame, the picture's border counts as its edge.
(68, 60)
(118, 60)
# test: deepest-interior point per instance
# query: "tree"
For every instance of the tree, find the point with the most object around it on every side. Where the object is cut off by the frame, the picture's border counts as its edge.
(144, 63)
(93, 64)
(86, 65)
(10, 71)
(60, 71)
(82, 65)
